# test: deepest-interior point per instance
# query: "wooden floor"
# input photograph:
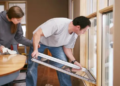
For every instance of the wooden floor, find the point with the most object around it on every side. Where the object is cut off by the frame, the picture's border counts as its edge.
(48, 77)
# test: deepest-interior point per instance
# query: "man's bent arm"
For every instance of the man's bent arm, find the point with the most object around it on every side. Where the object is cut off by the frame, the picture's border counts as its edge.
(68, 53)
(36, 38)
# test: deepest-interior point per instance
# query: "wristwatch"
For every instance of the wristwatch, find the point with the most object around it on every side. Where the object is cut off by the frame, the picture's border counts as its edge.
(73, 61)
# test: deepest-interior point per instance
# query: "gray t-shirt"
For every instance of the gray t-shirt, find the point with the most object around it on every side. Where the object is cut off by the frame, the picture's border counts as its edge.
(56, 33)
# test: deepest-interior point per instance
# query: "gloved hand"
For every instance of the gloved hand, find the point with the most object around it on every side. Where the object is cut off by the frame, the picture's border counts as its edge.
(7, 51)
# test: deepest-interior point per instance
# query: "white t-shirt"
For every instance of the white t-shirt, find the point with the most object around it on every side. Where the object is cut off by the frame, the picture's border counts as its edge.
(56, 33)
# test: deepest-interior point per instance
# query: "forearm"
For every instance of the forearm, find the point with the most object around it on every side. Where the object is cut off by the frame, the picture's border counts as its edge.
(36, 40)
(24, 41)
(68, 53)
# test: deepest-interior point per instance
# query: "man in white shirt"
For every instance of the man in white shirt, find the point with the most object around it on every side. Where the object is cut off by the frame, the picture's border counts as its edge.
(59, 36)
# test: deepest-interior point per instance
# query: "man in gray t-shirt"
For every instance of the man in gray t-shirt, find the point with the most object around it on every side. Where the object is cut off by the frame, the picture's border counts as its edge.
(59, 36)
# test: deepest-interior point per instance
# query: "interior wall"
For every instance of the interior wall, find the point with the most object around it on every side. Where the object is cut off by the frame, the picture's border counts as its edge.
(76, 13)
(76, 8)
(116, 45)
(39, 11)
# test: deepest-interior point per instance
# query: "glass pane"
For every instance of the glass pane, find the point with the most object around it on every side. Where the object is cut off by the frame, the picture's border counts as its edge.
(67, 68)
(94, 6)
(22, 6)
(111, 2)
(1, 8)
(24, 30)
(107, 50)
(92, 49)
(102, 4)
(89, 7)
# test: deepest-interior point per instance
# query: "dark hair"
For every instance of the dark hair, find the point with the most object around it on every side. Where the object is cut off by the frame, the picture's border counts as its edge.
(14, 12)
(81, 21)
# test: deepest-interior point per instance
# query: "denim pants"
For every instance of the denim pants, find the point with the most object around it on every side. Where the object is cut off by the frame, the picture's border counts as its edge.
(57, 52)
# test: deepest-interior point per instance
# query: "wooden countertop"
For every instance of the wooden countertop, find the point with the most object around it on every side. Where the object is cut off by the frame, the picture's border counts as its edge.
(11, 63)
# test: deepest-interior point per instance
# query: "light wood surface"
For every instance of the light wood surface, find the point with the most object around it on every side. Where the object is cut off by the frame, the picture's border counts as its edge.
(92, 15)
(107, 9)
(11, 63)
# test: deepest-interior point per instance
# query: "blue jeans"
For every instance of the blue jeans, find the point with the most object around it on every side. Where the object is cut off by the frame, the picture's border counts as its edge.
(31, 79)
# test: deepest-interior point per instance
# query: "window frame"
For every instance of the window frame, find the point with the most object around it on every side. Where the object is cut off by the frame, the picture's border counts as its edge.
(84, 39)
